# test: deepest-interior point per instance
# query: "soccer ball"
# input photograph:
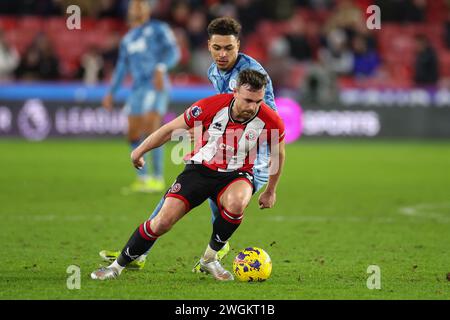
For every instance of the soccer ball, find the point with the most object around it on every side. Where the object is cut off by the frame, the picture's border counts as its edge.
(252, 264)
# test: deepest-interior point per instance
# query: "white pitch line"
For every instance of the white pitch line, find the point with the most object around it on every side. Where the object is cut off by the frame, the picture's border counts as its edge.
(438, 211)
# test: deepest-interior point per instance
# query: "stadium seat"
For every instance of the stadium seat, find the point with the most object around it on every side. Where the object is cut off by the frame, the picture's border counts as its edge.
(55, 25)
(8, 23)
(109, 24)
(31, 23)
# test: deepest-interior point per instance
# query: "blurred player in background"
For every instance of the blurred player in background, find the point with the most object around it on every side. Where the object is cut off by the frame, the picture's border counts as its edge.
(223, 44)
(223, 174)
(146, 52)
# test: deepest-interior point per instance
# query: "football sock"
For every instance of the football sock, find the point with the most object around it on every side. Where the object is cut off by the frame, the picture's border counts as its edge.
(140, 242)
(223, 227)
(210, 254)
(215, 212)
(142, 173)
(158, 159)
(116, 266)
(154, 214)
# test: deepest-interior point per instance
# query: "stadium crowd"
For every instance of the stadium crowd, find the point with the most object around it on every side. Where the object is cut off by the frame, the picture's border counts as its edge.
(309, 45)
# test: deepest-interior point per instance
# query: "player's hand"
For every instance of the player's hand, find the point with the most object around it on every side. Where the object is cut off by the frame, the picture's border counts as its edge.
(137, 159)
(267, 199)
(108, 102)
(158, 80)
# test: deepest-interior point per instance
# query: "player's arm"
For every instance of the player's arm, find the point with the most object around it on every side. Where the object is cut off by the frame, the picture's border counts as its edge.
(157, 139)
(269, 97)
(117, 79)
(277, 156)
(170, 57)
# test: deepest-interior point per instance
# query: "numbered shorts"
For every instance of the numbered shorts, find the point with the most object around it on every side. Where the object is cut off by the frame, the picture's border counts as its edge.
(144, 100)
(198, 183)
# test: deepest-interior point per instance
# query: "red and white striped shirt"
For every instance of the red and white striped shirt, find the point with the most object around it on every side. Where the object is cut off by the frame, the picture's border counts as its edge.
(228, 145)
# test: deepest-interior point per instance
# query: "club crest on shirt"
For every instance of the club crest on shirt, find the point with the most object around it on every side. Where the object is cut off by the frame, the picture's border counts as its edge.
(175, 188)
(232, 84)
(250, 135)
(195, 111)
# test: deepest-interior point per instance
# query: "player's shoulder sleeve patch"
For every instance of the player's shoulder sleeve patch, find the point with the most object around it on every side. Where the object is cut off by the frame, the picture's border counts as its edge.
(193, 113)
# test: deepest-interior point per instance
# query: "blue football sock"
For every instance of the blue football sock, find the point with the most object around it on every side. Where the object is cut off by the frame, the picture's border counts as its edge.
(158, 161)
(214, 210)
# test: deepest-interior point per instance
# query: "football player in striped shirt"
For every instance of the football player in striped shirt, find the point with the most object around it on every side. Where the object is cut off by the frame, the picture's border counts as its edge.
(223, 45)
(233, 127)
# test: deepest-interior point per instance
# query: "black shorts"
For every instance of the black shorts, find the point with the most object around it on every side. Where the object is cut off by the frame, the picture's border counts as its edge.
(197, 183)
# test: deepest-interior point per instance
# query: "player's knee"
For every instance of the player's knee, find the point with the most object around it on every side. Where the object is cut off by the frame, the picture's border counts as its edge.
(170, 213)
(161, 226)
(236, 203)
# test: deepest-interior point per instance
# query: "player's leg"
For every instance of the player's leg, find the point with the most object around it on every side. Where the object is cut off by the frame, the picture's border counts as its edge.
(138, 264)
(135, 124)
(156, 107)
(215, 212)
(261, 177)
(259, 181)
(144, 237)
(156, 182)
(135, 111)
(232, 201)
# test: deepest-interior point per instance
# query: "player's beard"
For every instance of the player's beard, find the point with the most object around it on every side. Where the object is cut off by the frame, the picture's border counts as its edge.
(246, 114)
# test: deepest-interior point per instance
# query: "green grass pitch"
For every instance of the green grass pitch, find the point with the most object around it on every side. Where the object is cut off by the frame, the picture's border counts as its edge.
(341, 207)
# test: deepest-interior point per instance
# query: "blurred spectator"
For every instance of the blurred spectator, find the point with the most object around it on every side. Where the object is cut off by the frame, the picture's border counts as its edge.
(9, 59)
(28, 7)
(299, 46)
(346, 16)
(319, 85)
(279, 63)
(91, 66)
(39, 61)
(109, 8)
(249, 14)
(278, 10)
(447, 30)
(426, 70)
(315, 4)
(200, 62)
(196, 30)
(183, 44)
(180, 14)
(222, 9)
(416, 11)
(365, 60)
(403, 10)
(110, 53)
(336, 57)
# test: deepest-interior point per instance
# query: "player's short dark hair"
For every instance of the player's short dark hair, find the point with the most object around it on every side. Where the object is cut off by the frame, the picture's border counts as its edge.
(254, 79)
(224, 26)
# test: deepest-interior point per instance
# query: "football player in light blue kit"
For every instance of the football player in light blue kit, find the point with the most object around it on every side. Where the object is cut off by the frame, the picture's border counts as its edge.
(223, 44)
(146, 52)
